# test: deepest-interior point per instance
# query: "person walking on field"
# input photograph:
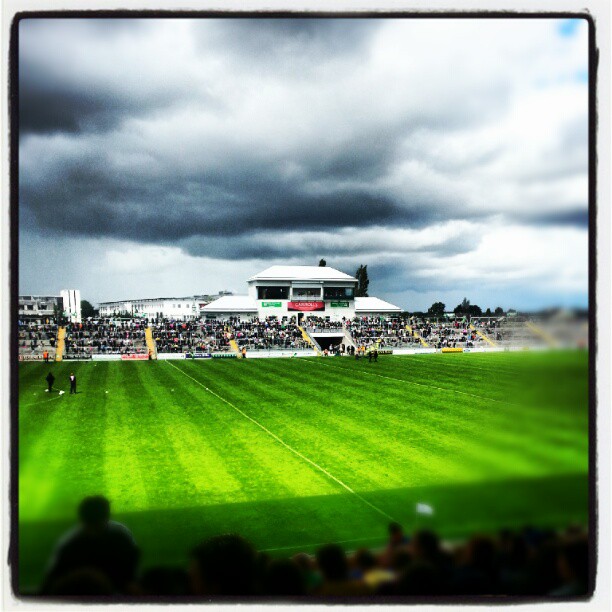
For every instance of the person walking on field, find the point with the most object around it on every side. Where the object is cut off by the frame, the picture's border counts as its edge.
(72, 383)
(50, 380)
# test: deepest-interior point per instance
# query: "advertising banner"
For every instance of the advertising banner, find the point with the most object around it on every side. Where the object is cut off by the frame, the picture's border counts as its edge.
(103, 357)
(134, 356)
(306, 306)
(224, 356)
(271, 304)
(198, 355)
(81, 357)
(339, 304)
(452, 350)
(171, 355)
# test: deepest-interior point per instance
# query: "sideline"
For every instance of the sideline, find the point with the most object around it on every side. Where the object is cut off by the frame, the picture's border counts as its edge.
(39, 403)
(411, 382)
(317, 544)
(290, 448)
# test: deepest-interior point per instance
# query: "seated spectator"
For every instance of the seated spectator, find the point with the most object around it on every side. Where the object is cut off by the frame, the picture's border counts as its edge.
(367, 570)
(283, 577)
(476, 572)
(397, 540)
(333, 566)
(573, 566)
(223, 565)
(96, 544)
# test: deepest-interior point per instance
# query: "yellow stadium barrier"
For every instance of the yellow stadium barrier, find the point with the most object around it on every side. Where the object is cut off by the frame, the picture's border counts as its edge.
(452, 350)
(59, 349)
(151, 346)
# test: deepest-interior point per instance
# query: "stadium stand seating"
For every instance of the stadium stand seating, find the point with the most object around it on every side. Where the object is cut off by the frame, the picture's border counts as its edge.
(105, 336)
(191, 336)
(122, 336)
(269, 334)
(35, 338)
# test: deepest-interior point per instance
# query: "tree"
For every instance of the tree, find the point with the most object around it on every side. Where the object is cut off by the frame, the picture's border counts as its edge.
(474, 310)
(488, 313)
(322, 263)
(437, 309)
(499, 310)
(87, 310)
(362, 281)
(462, 308)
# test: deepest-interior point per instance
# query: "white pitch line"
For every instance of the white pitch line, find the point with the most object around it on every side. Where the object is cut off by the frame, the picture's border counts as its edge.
(322, 544)
(411, 382)
(39, 403)
(290, 448)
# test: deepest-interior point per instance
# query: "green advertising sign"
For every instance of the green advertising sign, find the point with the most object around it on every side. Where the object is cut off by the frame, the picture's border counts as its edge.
(271, 304)
(339, 304)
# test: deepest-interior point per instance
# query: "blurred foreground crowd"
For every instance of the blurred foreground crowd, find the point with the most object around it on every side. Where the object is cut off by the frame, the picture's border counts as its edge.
(100, 557)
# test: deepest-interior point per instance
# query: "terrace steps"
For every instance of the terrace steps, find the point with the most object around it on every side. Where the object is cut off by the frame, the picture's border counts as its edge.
(483, 336)
(538, 331)
(151, 346)
(308, 338)
(235, 347)
(416, 334)
(59, 351)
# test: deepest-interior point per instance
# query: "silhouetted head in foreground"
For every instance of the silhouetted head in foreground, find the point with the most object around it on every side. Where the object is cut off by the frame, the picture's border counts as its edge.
(94, 512)
(223, 565)
(284, 577)
(332, 562)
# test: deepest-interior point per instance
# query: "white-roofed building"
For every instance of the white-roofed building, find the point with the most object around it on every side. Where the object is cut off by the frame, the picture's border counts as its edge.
(242, 306)
(372, 306)
(300, 291)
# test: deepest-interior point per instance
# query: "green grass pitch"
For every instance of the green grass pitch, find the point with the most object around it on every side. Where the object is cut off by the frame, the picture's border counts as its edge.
(292, 453)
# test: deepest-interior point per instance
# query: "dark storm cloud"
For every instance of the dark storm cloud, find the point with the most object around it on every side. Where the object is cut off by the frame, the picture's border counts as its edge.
(59, 92)
(286, 140)
(49, 106)
(290, 43)
(95, 200)
(578, 217)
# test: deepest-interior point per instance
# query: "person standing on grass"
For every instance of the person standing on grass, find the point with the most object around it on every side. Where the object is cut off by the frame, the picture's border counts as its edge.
(46, 356)
(50, 380)
(72, 383)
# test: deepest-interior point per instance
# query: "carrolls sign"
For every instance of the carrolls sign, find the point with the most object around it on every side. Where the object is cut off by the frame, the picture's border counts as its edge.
(306, 306)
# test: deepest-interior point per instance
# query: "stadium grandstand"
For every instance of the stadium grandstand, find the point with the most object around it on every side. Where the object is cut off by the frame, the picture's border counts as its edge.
(288, 311)
(335, 475)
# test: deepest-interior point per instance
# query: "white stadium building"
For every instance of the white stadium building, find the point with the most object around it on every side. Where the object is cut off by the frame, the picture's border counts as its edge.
(278, 291)
(286, 291)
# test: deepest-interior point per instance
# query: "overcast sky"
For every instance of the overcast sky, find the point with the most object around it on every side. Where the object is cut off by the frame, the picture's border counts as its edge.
(173, 157)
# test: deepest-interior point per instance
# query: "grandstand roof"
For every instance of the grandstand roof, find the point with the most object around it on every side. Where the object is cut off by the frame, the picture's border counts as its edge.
(231, 303)
(374, 304)
(314, 273)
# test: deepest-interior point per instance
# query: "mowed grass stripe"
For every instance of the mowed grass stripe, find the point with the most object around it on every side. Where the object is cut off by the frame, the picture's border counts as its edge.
(261, 467)
(55, 438)
(347, 434)
(288, 447)
(410, 382)
(294, 410)
(349, 441)
(446, 393)
(502, 423)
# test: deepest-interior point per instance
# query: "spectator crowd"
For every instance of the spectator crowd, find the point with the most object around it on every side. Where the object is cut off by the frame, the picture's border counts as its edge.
(105, 336)
(100, 557)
